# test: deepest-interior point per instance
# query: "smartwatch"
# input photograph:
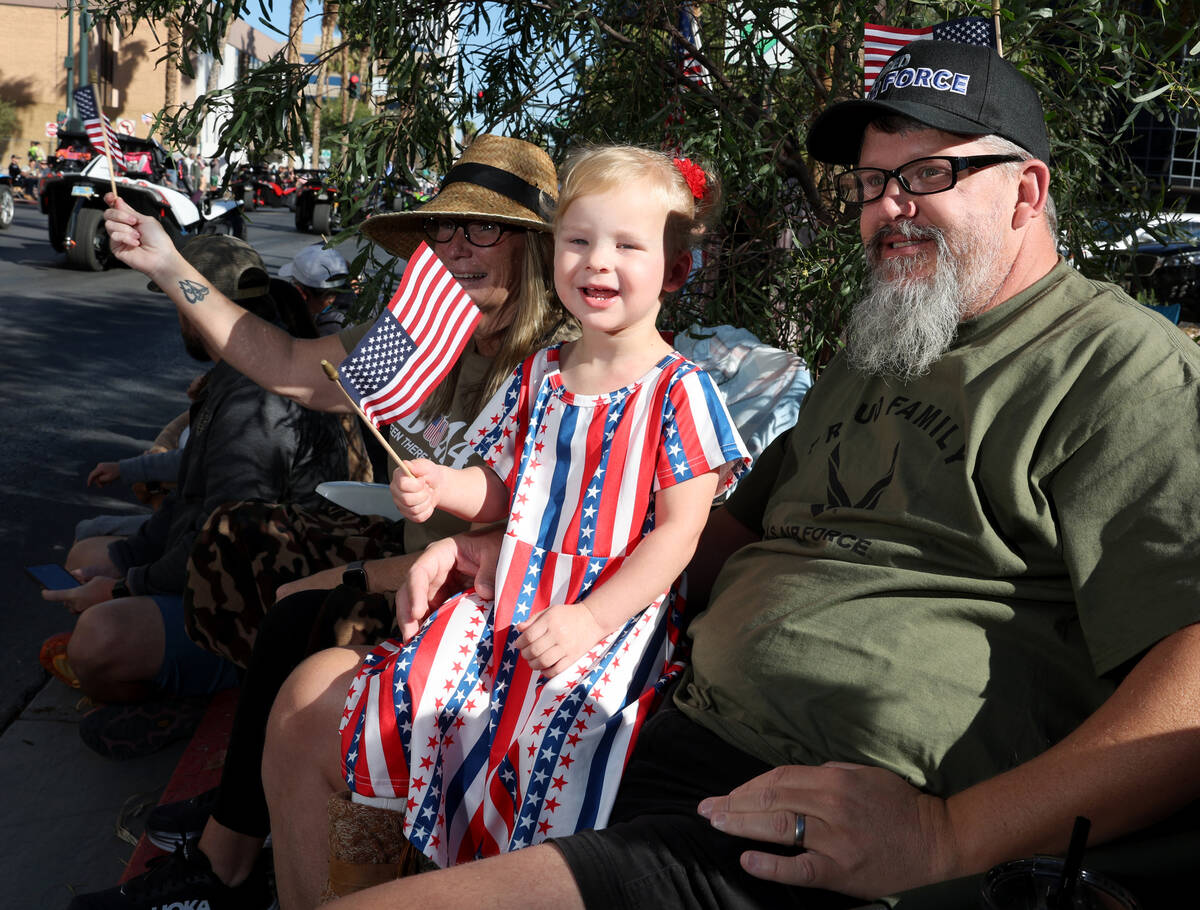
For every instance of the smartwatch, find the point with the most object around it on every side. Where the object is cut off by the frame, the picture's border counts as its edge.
(120, 589)
(355, 576)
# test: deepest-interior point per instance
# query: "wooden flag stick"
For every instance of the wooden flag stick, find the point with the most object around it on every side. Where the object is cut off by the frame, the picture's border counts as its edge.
(996, 26)
(332, 373)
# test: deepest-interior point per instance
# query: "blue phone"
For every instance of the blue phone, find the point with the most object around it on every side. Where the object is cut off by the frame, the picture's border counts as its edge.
(52, 576)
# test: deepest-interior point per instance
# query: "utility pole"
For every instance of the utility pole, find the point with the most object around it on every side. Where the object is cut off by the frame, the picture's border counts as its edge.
(69, 63)
(85, 27)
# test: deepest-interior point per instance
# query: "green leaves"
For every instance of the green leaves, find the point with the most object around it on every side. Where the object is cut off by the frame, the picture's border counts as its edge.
(1150, 95)
(781, 259)
(8, 118)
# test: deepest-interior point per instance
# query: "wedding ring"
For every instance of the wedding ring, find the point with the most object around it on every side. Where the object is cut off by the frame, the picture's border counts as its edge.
(799, 840)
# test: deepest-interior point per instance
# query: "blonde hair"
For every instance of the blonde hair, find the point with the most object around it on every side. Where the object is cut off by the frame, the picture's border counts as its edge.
(536, 313)
(602, 168)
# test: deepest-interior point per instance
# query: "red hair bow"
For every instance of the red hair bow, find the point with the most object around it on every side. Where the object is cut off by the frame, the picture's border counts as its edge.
(697, 180)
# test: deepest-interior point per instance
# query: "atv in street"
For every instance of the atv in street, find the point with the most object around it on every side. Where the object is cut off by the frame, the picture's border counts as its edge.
(318, 206)
(257, 186)
(7, 209)
(151, 182)
(323, 209)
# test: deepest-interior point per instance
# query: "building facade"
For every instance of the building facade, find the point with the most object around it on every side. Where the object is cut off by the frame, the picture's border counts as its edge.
(38, 42)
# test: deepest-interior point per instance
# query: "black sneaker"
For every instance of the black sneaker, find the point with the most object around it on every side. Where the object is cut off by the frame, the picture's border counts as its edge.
(181, 879)
(131, 731)
(171, 824)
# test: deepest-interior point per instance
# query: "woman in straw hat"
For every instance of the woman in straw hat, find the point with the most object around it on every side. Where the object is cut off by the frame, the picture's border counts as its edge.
(488, 224)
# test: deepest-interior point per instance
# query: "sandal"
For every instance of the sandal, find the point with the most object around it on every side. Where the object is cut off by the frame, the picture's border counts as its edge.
(132, 730)
(53, 656)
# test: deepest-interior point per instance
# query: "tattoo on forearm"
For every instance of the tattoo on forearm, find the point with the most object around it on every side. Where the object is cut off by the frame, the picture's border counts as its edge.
(193, 291)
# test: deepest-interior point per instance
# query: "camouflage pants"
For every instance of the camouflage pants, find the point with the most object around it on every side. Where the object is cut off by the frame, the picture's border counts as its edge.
(246, 550)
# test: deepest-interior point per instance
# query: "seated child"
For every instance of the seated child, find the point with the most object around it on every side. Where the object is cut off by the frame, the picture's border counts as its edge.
(497, 724)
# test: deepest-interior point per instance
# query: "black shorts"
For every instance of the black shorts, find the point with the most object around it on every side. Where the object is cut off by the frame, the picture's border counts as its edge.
(658, 852)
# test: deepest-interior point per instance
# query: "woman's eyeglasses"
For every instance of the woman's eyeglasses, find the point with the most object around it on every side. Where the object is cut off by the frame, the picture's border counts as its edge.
(478, 233)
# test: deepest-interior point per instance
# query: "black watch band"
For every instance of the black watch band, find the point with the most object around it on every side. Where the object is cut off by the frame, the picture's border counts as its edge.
(120, 589)
(355, 576)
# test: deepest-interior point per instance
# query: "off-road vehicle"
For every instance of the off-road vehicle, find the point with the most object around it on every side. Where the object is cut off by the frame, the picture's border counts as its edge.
(151, 182)
(318, 206)
(6, 202)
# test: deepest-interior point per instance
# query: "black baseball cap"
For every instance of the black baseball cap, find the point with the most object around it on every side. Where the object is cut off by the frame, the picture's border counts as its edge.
(959, 88)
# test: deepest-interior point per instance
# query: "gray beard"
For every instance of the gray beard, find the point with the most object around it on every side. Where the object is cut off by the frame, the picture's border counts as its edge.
(903, 323)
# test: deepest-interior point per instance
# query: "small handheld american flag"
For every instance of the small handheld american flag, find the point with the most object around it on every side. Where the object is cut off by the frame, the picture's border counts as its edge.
(413, 344)
(96, 125)
(881, 41)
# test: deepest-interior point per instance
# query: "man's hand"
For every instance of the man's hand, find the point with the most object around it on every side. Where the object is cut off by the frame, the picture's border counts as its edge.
(104, 473)
(416, 497)
(557, 637)
(93, 590)
(868, 833)
(442, 570)
(137, 240)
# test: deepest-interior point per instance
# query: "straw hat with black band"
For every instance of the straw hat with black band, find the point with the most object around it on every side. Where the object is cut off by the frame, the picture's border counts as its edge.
(499, 179)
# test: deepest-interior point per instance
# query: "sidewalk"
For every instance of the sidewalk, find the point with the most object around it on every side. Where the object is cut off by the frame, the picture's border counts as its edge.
(64, 803)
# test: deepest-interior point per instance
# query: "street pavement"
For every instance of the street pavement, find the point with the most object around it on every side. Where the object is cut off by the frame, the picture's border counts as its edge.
(91, 367)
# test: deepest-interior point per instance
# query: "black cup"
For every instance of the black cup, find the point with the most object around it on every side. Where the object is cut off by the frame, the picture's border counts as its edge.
(1034, 884)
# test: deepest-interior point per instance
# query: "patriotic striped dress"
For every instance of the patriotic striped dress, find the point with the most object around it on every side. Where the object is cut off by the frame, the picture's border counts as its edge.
(482, 753)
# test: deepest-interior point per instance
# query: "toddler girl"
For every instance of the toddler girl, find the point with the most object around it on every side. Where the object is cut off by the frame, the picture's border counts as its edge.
(501, 723)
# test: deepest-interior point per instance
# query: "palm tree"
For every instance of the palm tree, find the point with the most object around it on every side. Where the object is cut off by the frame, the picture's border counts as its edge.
(295, 38)
(328, 18)
(344, 58)
(214, 71)
(295, 31)
(174, 48)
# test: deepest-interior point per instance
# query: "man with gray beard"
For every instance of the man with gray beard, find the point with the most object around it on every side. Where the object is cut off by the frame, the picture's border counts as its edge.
(964, 606)
(904, 322)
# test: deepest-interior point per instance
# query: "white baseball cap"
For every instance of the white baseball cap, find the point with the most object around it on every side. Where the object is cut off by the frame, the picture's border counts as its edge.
(318, 266)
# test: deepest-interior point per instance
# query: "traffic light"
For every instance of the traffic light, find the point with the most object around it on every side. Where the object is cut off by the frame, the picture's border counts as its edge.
(354, 86)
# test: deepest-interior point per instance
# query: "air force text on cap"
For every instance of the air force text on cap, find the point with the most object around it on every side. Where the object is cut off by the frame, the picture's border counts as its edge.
(900, 75)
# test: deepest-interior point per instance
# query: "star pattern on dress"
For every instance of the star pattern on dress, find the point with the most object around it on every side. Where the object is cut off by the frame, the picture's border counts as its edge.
(474, 686)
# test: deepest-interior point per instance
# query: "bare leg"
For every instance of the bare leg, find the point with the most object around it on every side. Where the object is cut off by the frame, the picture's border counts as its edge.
(91, 552)
(302, 769)
(231, 853)
(117, 649)
(536, 878)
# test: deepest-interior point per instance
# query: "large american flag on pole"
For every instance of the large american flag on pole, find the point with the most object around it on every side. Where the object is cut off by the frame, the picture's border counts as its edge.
(413, 344)
(689, 27)
(690, 69)
(881, 41)
(96, 125)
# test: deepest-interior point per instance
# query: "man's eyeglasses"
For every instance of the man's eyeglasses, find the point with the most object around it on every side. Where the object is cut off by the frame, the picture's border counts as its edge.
(478, 233)
(921, 176)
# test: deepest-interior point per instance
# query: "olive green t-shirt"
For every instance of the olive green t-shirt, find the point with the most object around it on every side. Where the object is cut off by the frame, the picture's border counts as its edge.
(438, 437)
(951, 566)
